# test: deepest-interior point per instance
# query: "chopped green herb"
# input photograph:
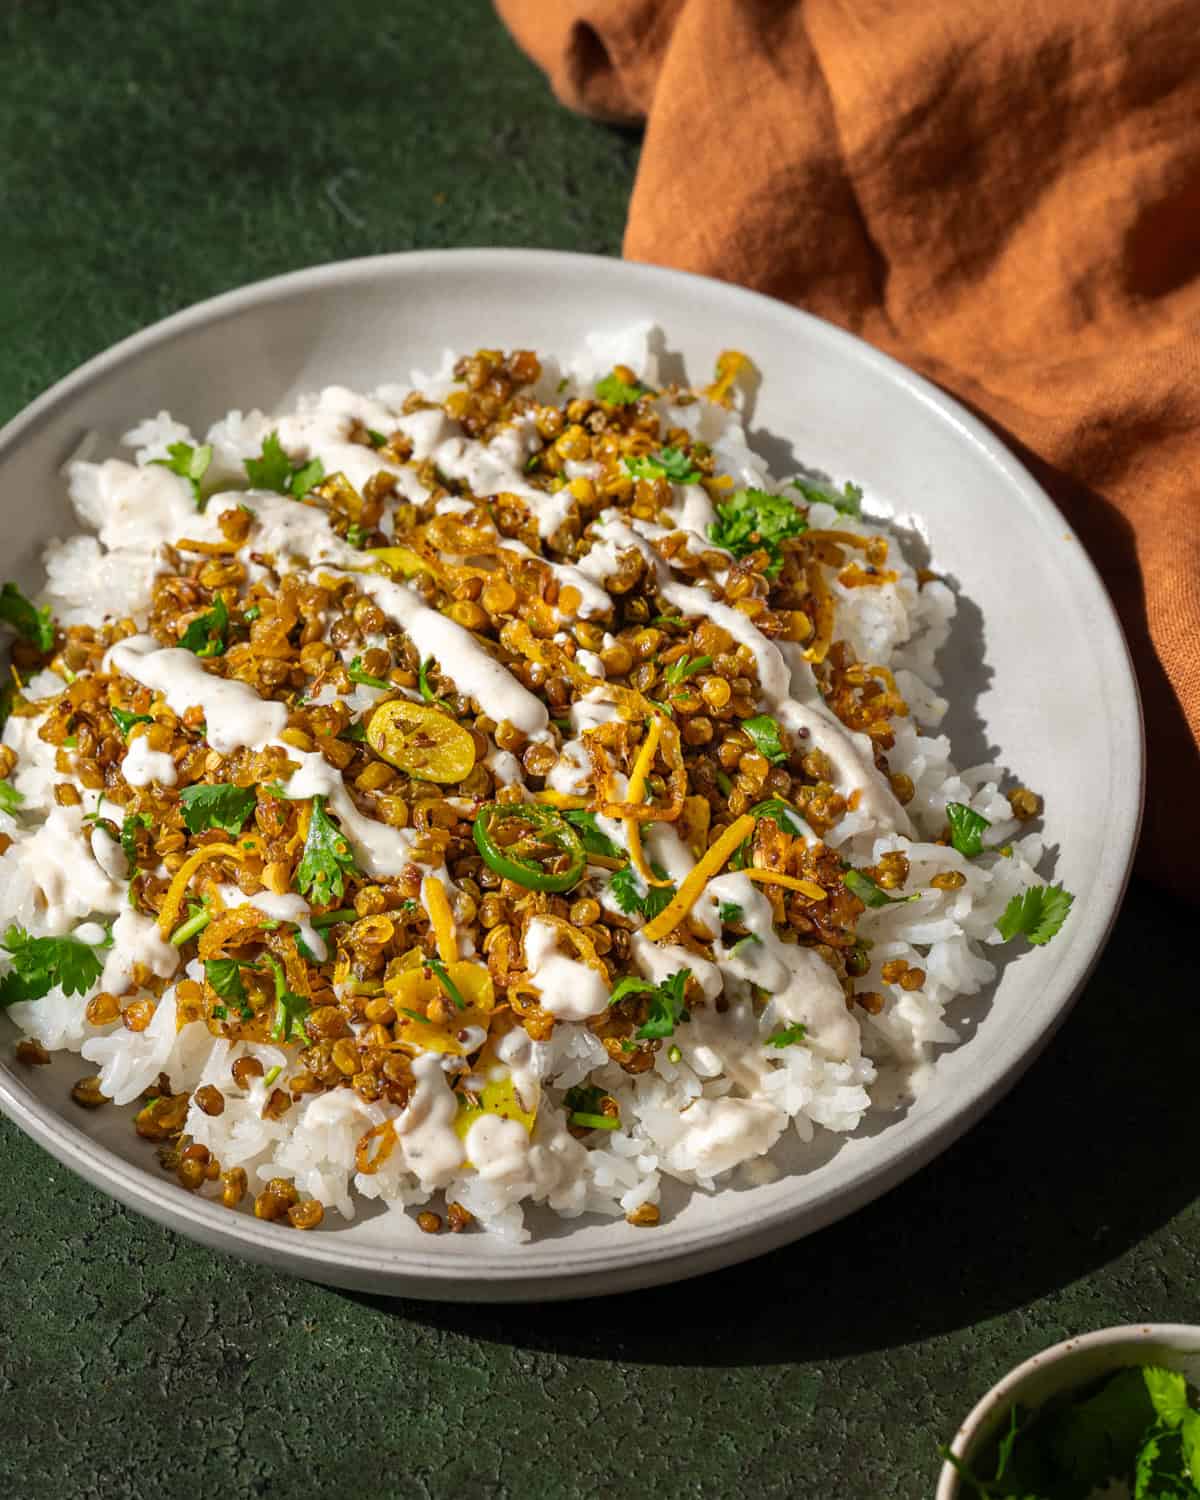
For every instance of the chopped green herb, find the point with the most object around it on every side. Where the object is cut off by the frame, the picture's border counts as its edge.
(376, 439)
(10, 798)
(744, 944)
(585, 1097)
(764, 731)
(593, 841)
(593, 1122)
(673, 1054)
(225, 976)
(730, 913)
(189, 463)
(848, 499)
(336, 918)
(415, 1015)
(756, 521)
(667, 1007)
(206, 633)
(356, 674)
(966, 828)
(197, 920)
(26, 619)
(216, 806)
(252, 614)
(219, 1013)
(786, 1036)
(125, 721)
(679, 671)
(626, 887)
(357, 534)
(438, 969)
(39, 964)
(327, 858)
(129, 828)
(667, 620)
(423, 683)
(291, 1010)
(724, 785)
(671, 463)
(869, 892)
(1037, 913)
(8, 699)
(273, 470)
(273, 1075)
(356, 732)
(617, 393)
(561, 386)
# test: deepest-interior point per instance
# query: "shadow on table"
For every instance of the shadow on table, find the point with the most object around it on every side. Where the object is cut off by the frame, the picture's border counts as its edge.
(1087, 1156)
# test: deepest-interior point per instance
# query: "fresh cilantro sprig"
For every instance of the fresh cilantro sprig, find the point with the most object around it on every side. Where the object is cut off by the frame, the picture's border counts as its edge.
(272, 470)
(593, 841)
(616, 392)
(39, 964)
(848, 499)
(125, 720)
(356, 674)
(870, 892)
(764, 731)
(1138, 1428)
(327, 859)
(669, 463)
(217, 806)
(205, 635)
(667, 1006)
(757, 521)
(26, 619)
(10, 798)
(786, 1036)
(190, 464)
(626, 888)
(1037, 914)
(967, 828)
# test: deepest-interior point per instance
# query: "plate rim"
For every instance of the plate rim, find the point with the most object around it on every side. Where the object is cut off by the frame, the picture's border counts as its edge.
(551, 1268)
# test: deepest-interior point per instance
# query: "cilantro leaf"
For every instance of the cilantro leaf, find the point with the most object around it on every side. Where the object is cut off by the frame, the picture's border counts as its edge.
(679, 671)
(966, 828)
(869, 892)
(272, 470)
(670, 463)
(629, 985)
(667, 1007)
(755, 520)
(39, 964)
(594, 842)
(764, 731)
(848, 499)
(189, 463)
(356, 674)
(584, 1098)
(376, 439)
(25, 618)
(10, 798)
(626, 887)
(786, 1036)
(730, 913)
(616, 392)
(291, 1010)
(216, 806)
(327, 858)
(225, 976)
(423, 682)
(355, 732)
(125, 721)
(1167, 1390)
(1093, 1440)
(129, 828)
(774, 810)
(206, 633)
(356, 534)
(1038, 913)
(1158, 1474)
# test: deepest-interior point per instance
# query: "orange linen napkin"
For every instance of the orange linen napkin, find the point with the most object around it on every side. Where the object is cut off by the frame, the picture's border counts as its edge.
(1006, 197)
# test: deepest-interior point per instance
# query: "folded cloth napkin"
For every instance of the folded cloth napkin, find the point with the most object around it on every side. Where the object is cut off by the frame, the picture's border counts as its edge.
(1005, 197)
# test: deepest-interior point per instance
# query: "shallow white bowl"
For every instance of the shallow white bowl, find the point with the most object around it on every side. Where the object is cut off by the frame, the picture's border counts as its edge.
(1038, 669)
(1066, 1367)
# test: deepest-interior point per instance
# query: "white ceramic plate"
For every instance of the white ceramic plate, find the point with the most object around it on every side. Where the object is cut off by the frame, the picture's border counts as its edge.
(1038, 667)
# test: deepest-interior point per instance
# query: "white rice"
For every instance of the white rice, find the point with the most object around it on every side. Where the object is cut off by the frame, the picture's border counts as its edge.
(109, 571)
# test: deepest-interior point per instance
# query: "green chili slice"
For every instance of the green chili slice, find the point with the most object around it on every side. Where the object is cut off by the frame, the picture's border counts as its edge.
(526, 856)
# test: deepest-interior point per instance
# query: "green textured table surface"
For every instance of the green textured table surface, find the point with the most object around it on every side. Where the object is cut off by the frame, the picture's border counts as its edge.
(154, 155)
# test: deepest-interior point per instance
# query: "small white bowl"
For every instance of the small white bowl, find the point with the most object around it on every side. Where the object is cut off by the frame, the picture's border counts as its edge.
(1065, 1367)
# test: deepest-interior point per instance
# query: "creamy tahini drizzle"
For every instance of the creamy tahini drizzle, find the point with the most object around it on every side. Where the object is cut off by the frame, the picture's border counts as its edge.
(569, 989)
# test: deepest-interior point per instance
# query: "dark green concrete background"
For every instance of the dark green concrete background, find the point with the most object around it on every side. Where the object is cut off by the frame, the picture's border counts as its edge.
(151, 155)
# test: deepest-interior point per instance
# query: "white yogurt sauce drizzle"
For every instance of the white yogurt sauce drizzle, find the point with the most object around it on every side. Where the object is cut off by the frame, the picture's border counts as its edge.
(569, 989)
